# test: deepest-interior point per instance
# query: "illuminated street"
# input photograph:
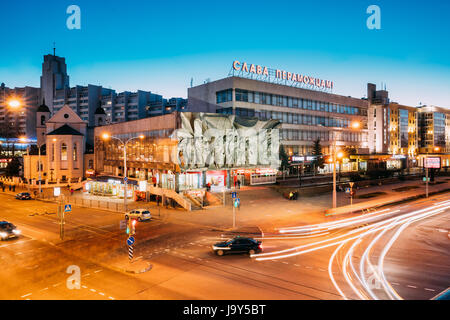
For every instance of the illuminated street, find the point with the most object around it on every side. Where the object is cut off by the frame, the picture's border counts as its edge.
(297, 263)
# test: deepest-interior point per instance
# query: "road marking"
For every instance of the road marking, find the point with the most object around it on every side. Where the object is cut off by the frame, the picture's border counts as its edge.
(44, 289)
(16, 254)
(57, 284)
(84, 287)
(285, 262)
(429, 289)
(308, 267)
(320, 269)
(18, 242)
(111, 298)
(395, 283)
(101, 293)
(26, 295)
(411, 286)
(86, 275)
(93, 290)
(297, 265)
(100, 270)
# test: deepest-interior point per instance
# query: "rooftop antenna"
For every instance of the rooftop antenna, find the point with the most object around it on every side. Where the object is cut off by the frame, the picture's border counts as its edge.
(54, 49)
(192, 82)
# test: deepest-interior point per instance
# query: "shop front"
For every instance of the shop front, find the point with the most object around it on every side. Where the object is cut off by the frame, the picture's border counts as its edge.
(109, 187)
(254, 176)
(190, 180)
(216, 179)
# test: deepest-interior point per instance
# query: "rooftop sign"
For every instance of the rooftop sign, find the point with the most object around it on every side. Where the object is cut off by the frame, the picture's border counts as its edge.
(280, 76)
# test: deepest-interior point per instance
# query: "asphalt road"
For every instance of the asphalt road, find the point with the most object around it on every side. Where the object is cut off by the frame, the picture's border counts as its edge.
(183, 266)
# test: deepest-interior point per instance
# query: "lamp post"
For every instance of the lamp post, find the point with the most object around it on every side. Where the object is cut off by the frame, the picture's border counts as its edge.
(354, 125)
(24, 139)
(106, 136)
(14, 104)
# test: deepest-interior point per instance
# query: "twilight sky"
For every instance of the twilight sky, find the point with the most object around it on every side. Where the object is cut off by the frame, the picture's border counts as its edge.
(160, 45)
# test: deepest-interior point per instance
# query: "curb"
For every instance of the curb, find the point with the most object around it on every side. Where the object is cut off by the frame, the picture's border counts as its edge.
(395, 202)
(148, 268)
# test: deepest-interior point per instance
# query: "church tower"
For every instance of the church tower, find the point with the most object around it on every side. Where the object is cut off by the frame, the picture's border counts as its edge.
(42, 116)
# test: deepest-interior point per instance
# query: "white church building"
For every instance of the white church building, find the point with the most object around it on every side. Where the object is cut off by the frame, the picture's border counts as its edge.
(62, 139)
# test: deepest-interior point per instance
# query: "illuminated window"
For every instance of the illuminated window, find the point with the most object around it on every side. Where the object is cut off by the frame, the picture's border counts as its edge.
(63, 152)
(74, 152)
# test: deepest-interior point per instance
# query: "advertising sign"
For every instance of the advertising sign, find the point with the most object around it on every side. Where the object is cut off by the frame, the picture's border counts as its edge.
(433, 163)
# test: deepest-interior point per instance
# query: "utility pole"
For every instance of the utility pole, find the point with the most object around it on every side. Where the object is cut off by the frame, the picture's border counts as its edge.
(334, 170)
(61, 216)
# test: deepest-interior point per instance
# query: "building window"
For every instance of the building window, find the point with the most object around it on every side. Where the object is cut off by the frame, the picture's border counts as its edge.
(63, 152)
(74, 152)
(42, 120)
(53, 152)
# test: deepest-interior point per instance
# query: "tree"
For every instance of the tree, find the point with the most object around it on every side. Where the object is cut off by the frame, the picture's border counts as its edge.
(317, 152)
(284, 159)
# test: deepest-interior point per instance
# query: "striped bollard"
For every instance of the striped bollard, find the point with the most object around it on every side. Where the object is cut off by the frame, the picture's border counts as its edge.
(130, 252)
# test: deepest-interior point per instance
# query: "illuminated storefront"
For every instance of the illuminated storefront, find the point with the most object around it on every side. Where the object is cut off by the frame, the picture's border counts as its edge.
(109, 187)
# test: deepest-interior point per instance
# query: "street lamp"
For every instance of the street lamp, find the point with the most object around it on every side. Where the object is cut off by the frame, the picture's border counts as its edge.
(14, 104)
(354, 125)
(107, 136)
(24, 139)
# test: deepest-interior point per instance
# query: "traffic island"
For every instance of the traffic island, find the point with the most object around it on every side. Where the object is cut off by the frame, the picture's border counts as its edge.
(134, 267)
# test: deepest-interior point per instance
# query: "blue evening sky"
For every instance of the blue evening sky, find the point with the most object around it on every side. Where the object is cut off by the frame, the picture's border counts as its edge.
(160, 45)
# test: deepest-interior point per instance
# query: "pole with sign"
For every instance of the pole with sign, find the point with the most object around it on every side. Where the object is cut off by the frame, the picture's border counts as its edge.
(351, 196)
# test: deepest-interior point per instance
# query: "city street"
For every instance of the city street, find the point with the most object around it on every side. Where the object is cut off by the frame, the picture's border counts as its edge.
(415, 266)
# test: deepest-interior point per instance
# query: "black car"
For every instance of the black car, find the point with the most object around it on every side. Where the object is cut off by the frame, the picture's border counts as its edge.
(8, 230)
(23, 196)
(237, 245)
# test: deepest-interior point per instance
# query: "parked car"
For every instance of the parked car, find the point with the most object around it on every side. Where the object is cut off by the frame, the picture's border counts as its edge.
(23, 196)
(8, 230)
(238, 245)
(139, 214)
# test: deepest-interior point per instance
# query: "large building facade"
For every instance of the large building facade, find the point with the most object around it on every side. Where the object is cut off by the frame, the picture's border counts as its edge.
(306, 115)
(188, 151)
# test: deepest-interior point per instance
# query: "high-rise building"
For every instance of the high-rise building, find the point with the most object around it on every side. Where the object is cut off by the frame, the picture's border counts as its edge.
(54, 77)
(434, 129)
(306, 115)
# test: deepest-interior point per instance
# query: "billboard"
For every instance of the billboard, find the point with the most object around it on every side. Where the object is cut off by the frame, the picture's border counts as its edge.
(433, 163)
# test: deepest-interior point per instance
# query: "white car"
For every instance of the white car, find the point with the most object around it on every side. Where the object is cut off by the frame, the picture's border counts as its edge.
(139, 214)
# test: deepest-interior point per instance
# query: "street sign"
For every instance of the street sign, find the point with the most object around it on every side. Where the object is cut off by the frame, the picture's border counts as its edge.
(347, 190)
(351, 184)
(425, 179)
(67, 208)
(130, 241)
(237, 202)
(123, 224)
(125, 179)
(234, 195)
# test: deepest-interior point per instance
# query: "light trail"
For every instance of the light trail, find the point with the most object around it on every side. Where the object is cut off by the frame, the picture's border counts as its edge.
(279, 254)
(401, 222)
